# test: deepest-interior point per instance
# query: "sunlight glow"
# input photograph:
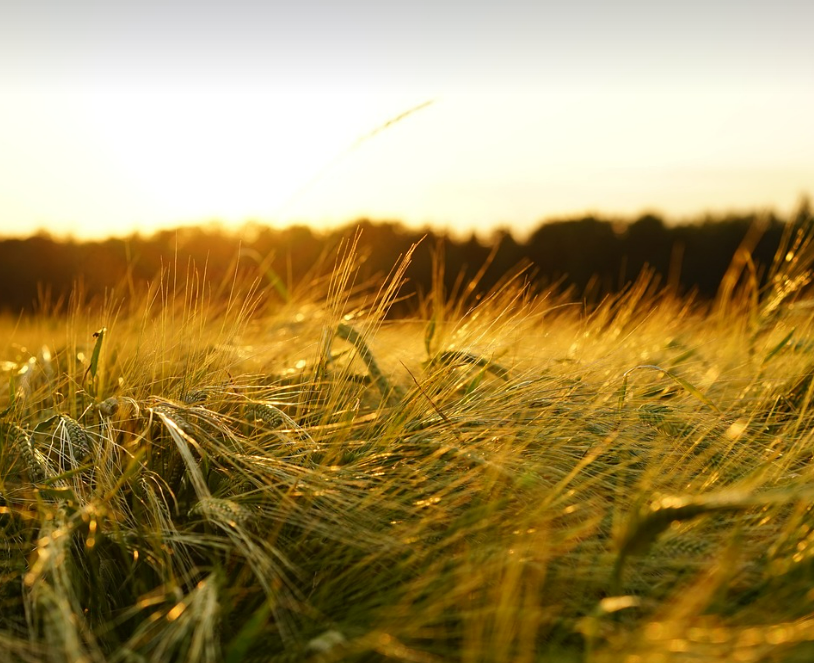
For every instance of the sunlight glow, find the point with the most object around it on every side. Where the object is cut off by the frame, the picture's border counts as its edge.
(480, 160)
(111, 164)
(108, 164)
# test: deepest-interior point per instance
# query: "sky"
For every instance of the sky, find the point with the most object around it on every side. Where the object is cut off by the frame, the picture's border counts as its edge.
(125, 117)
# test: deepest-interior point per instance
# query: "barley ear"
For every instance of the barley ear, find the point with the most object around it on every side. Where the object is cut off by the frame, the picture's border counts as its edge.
(348, 333)
(33, 459)
(80, 444)
(268, 414)
(108, 407)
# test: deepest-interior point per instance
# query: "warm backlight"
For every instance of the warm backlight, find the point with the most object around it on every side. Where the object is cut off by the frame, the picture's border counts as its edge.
(101, 164)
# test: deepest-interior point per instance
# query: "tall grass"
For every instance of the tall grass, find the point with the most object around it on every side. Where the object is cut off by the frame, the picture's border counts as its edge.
(216, 477)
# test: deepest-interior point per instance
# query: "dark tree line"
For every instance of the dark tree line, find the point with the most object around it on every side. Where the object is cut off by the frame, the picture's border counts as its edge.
(593, 256)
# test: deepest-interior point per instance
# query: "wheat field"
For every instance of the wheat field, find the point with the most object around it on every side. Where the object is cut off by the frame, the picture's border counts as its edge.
(245, 471)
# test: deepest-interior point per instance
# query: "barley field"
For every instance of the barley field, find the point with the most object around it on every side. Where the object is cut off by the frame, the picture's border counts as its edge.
(246, 471)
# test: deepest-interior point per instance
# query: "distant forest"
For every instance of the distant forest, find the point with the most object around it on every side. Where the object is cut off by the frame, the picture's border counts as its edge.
(591, 256)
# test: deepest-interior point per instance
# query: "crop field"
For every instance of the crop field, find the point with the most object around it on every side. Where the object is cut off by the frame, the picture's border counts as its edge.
(252, 471)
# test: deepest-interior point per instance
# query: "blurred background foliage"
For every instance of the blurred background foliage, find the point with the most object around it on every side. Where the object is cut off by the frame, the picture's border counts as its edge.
(591, 255)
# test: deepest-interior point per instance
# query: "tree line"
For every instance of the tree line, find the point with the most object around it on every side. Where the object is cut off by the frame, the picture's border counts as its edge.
(591, 255)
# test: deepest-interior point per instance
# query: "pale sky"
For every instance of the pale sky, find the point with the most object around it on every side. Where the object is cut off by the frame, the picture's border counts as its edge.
(116, 117)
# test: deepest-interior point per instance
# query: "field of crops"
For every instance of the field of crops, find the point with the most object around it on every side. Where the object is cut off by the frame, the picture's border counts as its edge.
(246, 471)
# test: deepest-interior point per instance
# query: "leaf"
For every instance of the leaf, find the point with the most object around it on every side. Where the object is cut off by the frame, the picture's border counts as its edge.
(50, 481)
(777, 348)
(97, 349)
(58, 493)
(460, 357)
(646, 525)
(429, 334)
(694, 391)
(133, 467)
(278, 285)
(247, 635)
(45, 423)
